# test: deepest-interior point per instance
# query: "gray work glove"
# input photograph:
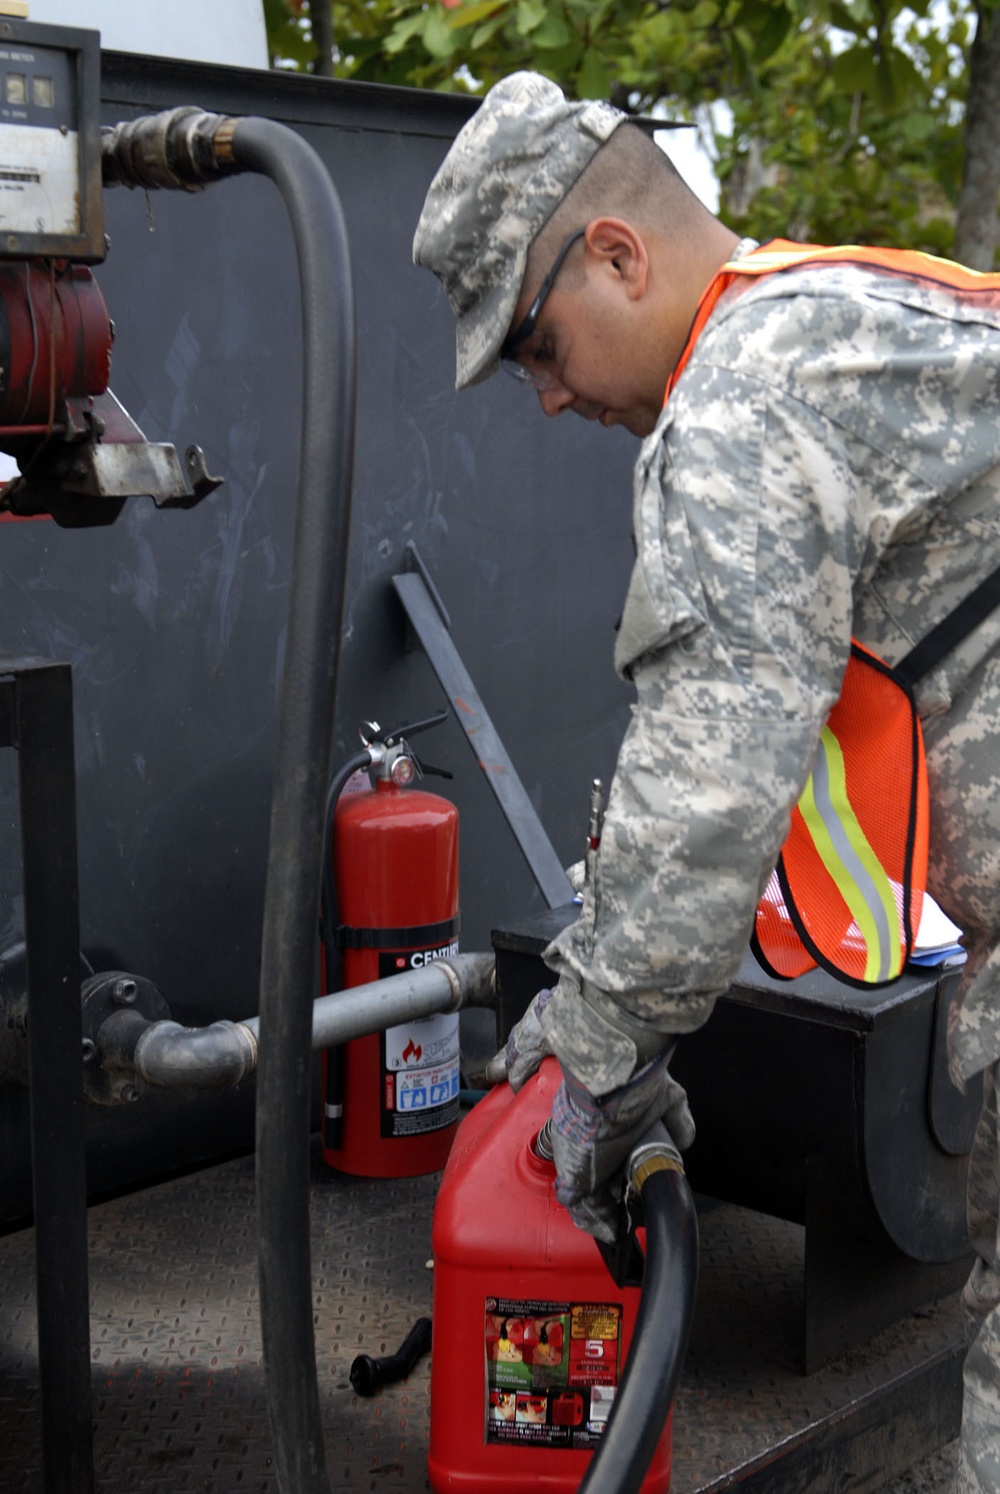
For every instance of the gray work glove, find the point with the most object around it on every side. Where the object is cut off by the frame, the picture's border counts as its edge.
(593, 1134)
(592, 1139)
(525, 1048)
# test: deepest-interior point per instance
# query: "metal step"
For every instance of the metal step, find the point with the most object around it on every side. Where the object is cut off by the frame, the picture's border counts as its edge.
(178, 1388)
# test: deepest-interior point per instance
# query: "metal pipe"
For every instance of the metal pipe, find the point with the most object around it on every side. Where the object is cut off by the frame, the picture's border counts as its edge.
(195, 1057)
(444, 986)
(172, 1056)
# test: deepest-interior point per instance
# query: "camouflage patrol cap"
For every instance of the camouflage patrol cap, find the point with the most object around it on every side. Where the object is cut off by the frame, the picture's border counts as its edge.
(510, 167)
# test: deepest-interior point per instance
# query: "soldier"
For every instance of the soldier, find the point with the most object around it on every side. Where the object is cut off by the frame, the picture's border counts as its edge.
(821, 460)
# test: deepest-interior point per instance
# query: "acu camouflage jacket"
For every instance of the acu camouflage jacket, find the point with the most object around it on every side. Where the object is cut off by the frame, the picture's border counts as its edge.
(828, 464)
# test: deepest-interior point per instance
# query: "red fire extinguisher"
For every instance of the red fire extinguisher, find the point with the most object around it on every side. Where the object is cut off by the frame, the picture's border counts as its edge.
(391, 1100)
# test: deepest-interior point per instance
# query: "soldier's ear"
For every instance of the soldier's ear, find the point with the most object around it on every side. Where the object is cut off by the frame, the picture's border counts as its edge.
(617, 246)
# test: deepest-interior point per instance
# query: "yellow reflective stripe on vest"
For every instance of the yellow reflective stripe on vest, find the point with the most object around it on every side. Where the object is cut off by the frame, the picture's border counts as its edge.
(855, 869)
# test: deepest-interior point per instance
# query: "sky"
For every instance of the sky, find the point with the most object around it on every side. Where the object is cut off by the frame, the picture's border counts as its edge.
(692, 162)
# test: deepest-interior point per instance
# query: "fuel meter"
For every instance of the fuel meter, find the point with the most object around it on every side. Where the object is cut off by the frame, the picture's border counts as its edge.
(50, 146)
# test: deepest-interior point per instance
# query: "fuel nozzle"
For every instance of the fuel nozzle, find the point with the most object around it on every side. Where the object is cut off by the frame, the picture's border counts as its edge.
(596, 815)
(595, 826)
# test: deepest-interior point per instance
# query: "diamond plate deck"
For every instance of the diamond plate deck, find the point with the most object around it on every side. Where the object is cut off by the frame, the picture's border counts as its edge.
(178, 1385)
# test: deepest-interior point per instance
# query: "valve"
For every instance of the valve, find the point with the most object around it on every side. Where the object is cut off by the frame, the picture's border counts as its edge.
(392, 756)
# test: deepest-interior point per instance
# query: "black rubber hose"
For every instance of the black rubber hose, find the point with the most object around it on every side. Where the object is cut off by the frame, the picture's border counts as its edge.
(368, 1375)
(659, 1343)
(291, 901)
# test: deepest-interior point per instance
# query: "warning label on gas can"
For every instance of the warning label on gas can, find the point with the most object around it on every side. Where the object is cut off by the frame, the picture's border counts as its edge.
(420, 1060)
(552, 1371)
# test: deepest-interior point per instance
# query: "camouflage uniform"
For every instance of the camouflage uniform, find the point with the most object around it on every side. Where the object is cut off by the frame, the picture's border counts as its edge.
(979, 1449)
(828, 465)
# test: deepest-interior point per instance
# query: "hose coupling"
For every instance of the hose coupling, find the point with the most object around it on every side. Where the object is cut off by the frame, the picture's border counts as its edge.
(656, 1155)
(181, 149)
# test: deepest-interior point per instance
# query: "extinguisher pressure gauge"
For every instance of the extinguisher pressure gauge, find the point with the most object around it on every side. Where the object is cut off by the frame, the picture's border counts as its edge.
(402, 769)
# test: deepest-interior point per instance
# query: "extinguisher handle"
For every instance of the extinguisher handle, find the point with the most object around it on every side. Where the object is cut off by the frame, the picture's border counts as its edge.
(429, 768)
(399, 736)
(399, 732)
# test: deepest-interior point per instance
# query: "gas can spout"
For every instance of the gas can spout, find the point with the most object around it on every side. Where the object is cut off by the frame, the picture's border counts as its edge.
(368, 1375)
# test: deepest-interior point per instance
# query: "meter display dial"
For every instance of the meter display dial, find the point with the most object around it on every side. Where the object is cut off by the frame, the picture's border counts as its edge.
(50, 143)
(39, 142)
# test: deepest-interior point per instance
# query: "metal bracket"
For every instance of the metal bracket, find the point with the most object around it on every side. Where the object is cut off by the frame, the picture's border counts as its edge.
(117, 1008)
(428, 619)
(97, 458)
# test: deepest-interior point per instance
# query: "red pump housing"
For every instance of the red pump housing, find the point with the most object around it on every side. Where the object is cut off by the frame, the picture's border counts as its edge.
(397, 1093)
(55, 341)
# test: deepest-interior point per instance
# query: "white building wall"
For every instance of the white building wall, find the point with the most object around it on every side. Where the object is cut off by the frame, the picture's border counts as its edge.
(228, 31)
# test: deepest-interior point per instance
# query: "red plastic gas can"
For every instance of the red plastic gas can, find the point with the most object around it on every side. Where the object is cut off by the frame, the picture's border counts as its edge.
(396, 863)
(531, 1333)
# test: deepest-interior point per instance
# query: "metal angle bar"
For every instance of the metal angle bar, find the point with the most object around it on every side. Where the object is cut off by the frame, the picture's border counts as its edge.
(482, 736)
(43, 702)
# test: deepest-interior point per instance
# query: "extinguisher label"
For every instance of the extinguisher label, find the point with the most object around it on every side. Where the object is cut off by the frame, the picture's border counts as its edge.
(420, 1060)
(552, 1371)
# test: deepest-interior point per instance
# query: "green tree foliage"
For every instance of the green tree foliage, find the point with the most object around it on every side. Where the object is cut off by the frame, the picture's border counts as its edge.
(830, 120)
(852, 134)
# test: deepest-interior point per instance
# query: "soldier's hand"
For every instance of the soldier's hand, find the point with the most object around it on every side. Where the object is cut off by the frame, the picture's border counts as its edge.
(524, 1050)
(592, 1139)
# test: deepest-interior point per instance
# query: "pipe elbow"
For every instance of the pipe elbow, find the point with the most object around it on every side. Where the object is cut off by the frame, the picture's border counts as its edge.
(170, 1055)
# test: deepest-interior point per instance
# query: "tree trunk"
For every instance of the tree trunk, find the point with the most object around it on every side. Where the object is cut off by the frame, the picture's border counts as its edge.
(321, 16)
(977, 230)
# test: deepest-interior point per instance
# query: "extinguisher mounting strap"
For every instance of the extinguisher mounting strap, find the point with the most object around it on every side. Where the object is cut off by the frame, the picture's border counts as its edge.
(409, 938)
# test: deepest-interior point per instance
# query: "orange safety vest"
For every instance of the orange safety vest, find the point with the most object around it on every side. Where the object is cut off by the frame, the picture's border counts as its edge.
(848, 888)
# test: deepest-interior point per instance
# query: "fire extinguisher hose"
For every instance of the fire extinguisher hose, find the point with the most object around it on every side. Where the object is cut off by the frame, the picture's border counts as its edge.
(663, 1325)
(334, 1097)
(338, 782)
